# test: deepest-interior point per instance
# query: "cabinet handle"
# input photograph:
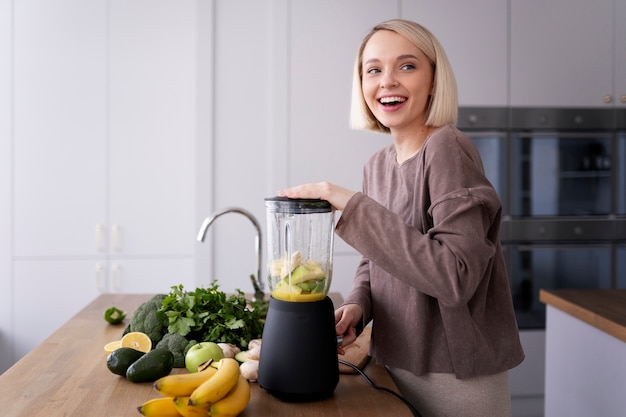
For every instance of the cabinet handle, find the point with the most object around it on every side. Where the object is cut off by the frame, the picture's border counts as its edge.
(608, 99)
(100, 278)
(99, 235)
(115, 277)
(116, 237)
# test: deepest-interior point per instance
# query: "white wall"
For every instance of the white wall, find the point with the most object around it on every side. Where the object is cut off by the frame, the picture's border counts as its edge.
(6, 78)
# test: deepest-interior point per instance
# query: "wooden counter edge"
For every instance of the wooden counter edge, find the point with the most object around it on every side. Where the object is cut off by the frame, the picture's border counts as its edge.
(558, 299)
(37, 382)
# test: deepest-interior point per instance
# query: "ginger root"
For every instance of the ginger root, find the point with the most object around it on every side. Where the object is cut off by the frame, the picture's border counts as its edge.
(250, 370)
(229, 349)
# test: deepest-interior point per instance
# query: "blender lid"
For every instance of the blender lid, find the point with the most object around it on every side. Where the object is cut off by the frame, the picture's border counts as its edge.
(297, 205)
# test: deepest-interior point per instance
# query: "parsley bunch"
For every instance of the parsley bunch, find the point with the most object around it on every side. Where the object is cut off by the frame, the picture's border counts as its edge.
(208, 314)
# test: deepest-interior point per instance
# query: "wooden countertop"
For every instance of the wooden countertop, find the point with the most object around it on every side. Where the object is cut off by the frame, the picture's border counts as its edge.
(602, 309)
(66, 375)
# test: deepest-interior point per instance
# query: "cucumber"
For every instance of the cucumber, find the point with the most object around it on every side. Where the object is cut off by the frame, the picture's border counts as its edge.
(153, 365)
(121, 359)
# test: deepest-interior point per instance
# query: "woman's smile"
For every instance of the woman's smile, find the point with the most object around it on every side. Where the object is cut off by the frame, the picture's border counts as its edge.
(392, 103)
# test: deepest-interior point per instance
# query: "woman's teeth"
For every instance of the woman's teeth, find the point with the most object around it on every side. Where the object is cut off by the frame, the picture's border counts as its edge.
(391, 100)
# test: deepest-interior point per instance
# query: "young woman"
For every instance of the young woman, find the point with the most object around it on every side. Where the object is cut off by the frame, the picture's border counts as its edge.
(432, 278)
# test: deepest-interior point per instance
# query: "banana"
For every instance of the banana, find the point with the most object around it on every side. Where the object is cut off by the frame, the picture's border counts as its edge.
(182, 385)
(234, 402)
(216, 387)
(159, 407)
(186, 410)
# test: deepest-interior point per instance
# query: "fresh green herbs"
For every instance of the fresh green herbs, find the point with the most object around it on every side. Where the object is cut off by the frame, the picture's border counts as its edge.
(208, 314)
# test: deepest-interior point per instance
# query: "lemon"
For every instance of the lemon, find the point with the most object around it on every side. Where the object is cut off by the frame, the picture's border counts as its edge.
(111, 346)
(137, 340)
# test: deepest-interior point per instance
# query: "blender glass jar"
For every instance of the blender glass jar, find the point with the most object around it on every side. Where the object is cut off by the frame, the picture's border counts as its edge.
(300, 246)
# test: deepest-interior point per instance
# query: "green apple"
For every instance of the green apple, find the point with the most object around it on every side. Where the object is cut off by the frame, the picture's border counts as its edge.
(201, 353)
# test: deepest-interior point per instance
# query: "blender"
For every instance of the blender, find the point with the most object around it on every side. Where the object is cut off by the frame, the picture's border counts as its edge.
(299, 356)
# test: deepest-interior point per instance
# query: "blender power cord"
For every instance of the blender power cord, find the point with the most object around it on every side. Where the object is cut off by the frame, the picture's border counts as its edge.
(378, 387)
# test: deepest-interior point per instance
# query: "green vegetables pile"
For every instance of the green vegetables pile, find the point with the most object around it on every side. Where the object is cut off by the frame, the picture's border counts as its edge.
(182, 318)
(208, 314)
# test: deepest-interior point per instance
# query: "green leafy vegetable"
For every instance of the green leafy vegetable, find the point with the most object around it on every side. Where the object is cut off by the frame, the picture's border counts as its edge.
(208, 314)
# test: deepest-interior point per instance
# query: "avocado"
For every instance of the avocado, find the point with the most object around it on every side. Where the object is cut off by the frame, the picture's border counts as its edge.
(319, 287)
(121, 359)
(153, 365)
(306, 272)
(307, 286)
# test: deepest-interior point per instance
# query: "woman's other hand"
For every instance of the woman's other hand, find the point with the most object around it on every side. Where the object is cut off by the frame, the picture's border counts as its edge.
(347, 318)
(335, 195)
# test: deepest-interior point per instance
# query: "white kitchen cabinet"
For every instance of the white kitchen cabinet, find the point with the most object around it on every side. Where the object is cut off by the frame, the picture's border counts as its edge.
(475, 37)
(60, 127)
(150, 275)
(562, 53)
(47, 293)
(111, 171)
(585, 360)
(59, 161)
(104, 156)
(151, 167)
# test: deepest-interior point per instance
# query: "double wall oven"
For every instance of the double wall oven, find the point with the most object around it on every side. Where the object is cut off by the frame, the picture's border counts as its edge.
(561, 176)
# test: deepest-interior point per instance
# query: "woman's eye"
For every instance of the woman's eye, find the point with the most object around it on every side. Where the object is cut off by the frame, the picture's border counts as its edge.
(407, 67)
(373, 71)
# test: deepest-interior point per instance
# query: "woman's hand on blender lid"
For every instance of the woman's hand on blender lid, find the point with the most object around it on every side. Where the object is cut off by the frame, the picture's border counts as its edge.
(337, 196)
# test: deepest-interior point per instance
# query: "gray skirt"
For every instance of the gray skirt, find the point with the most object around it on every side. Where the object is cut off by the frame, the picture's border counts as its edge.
(443, 395)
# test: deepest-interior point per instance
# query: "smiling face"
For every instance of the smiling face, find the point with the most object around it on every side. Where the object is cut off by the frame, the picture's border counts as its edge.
(397, 81)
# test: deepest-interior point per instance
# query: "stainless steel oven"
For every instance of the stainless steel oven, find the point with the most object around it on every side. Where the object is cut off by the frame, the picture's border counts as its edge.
(561, 175)
(620, 169)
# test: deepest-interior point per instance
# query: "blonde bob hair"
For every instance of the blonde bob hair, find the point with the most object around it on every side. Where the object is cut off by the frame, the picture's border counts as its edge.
(443, 107)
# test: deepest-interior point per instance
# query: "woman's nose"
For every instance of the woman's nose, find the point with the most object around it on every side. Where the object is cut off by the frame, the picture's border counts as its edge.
(388, 81)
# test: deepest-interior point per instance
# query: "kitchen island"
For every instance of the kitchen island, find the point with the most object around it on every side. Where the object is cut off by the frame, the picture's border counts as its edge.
(66, 375)
(585, 352)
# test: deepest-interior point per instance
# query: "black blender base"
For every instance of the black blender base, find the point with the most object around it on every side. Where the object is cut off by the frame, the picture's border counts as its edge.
(298, 360)
(299, 397)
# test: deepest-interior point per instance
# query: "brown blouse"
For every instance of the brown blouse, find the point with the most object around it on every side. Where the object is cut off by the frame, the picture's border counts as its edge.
(432, 277)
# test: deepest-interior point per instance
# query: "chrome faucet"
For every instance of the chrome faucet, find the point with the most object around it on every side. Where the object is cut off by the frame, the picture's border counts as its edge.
(256, 282)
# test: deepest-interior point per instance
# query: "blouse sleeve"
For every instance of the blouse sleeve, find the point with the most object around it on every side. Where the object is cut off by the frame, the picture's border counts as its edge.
(450, 255)
(360, 293)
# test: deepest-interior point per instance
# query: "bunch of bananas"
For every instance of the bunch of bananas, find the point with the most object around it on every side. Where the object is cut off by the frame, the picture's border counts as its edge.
(212, 392)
